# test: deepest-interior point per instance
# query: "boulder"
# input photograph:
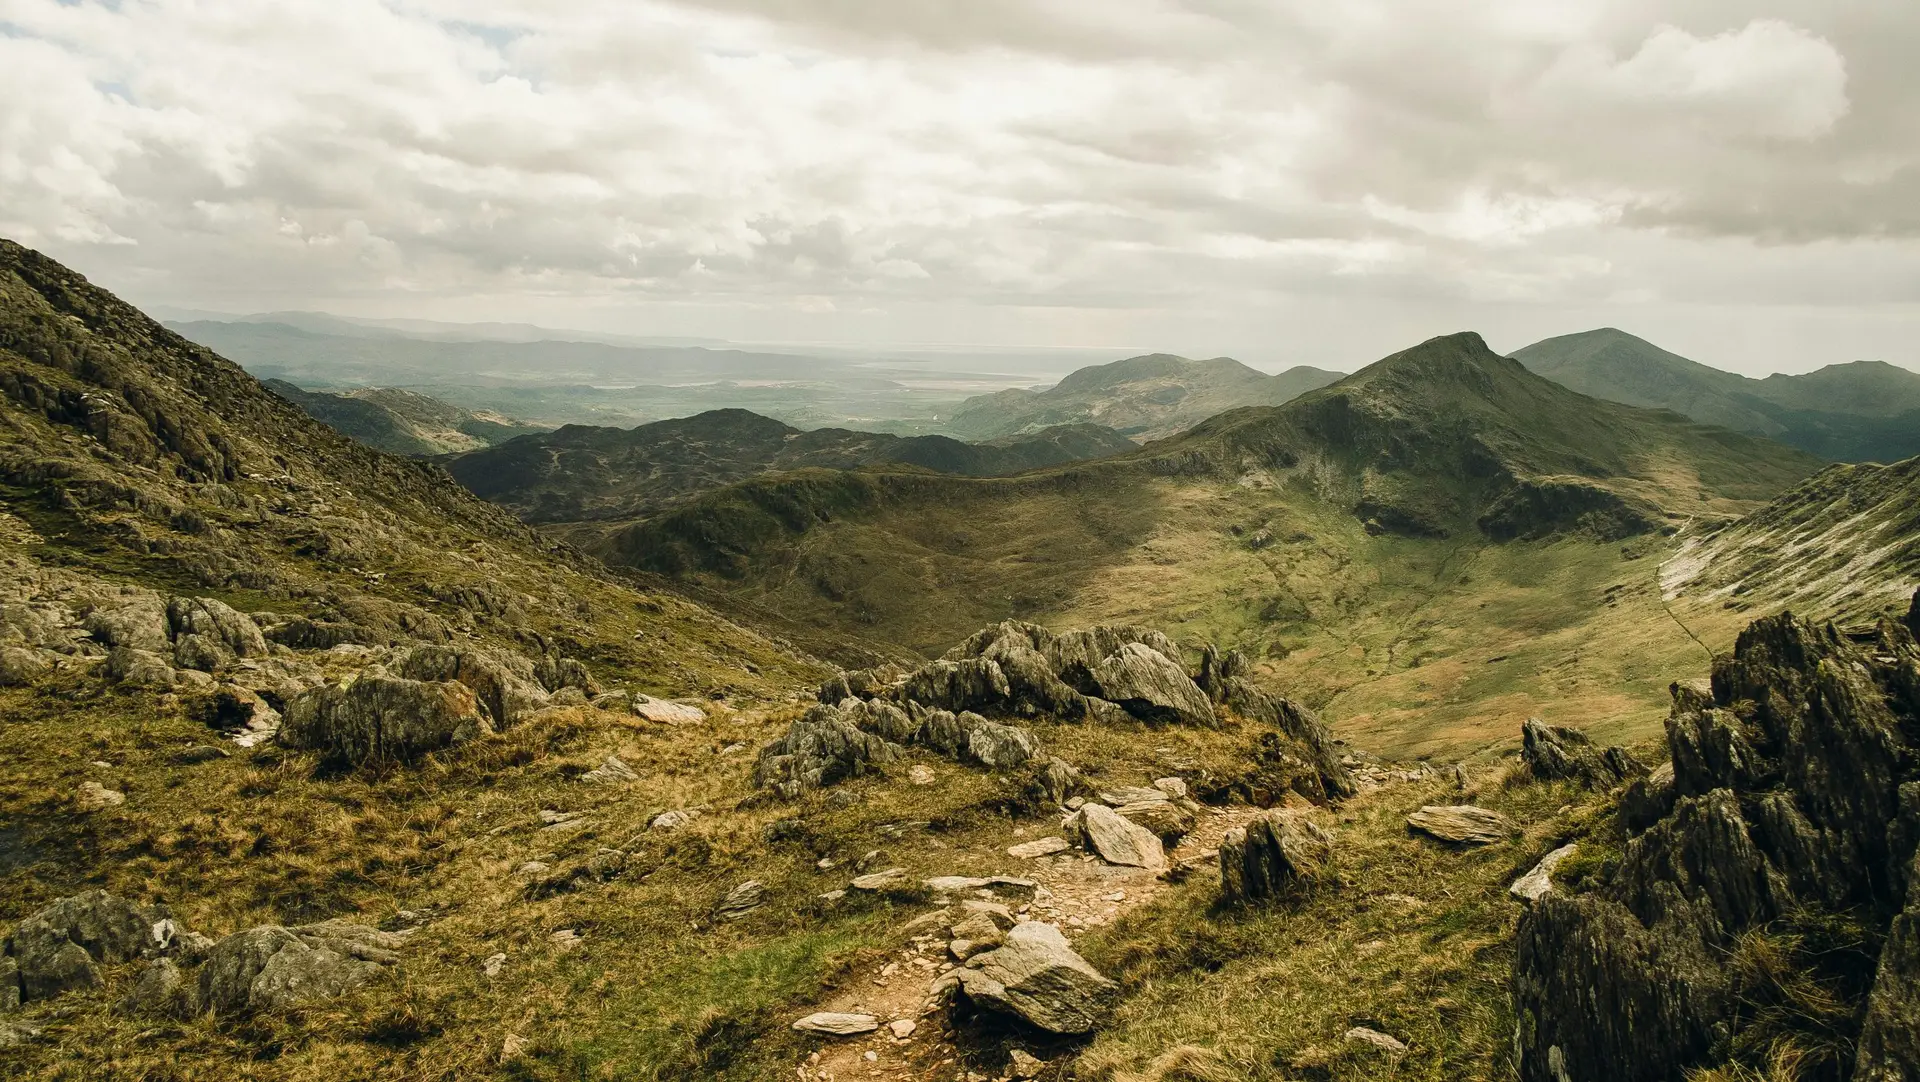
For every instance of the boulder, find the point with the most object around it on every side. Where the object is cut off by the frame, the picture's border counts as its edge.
(1000, 747)
(834, 1024)
(1557, 753)
(208, 634)
(1889, 1047)
(981, 930)
(1536, 883)
(1308, 736)
(1036, 976)
(273, 968)
(667, 712)
(160, 991)
(1276, 852)
(138, 624)
(22, 665)
(1117, 840)
(884, 880)
(822, 747)
(1461, 824)
(1151, 686)
(1164, 818)
(967, 684)
(133, 667)
(504, 682)
(379, 718)
(1647, 800)
(1055, 782)
(60, 948)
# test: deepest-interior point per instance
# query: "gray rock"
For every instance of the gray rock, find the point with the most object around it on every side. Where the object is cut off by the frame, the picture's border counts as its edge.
(383, 718)
(1648, 800)
(967, 684)
(139, 624)
(614, 771)
(1039, 847)
(1151, 686)
(820, 748)
(22, 665)
(1889, 1047)
(93, 796)
(981, 930)
(1536, 883)
(1275, 853)
(273, 968)
(1556, 753)
(1167, 820)
(504, 682)
(1383, 1041)
(741, 900)
(1118, 840)
(666, 712)
(138, 668)
(1000, 747)
(1055, 782)
(1461, 824)
(885, 880)
(672, 820)
(16, 1034)
(57, 949)
(208, 634)
(160, 991)
(1037, 976)
(833, 1024)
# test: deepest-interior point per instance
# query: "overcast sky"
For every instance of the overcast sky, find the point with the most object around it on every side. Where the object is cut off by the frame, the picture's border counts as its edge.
(1286, 181)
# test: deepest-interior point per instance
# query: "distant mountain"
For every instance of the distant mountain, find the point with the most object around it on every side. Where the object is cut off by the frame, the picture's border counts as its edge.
(1864, 411)
(403, 422)
(1144, 398)
(581, 472)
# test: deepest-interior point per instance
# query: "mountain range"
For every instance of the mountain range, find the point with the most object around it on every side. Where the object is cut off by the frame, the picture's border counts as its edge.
(1862, 411)
(1441, 722)
(582, 473)
(1145, 398)
(402, 422)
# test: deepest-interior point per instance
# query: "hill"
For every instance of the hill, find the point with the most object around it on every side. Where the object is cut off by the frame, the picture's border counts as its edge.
(582, 472)
(1442, 520)
(1144, 398)
(402, 422)
(1863, 411)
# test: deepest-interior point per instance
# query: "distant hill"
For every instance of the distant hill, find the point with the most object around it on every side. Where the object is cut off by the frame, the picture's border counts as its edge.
(1446, 446)
(1144, 398)
(403, 422)
(1863, 411)
(582, 472)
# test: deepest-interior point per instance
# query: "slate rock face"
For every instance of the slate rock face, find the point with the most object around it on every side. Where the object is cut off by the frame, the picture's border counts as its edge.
(1036, 976)
(1277, 852)
(1222, 677)
(1793, 794)
(1149, 685)
(1555, 753)
(383, 718)
(1461, 824)
(822, 747)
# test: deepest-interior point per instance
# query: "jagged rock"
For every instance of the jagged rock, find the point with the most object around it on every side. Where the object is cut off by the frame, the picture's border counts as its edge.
(1648, 800)
(1150, 686)
(504, 682)
(273, 968)
(741, 900)
(981, 930)
(1174, 788)
(1788, 795)
(1555, 753)
(139, 624)
(1039, 847)
(208, 634)
(945, 886)
(1271, 855)
(1055, 781)
(999, 915)
(1037, 976)
(957, 685)
(383, 718)
(93, 796)
(1117, 840)
(998, 746)
(667, 712)
(837, 1025)
(134, 667)
(161, 990)
(1461, 824)
(1167, 820)
(241, 715)
(1300, 726)
(1536, 883)
(820, 748)
(614, 771)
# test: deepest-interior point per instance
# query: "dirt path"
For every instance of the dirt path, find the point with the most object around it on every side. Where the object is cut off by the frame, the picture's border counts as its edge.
(1076, 892)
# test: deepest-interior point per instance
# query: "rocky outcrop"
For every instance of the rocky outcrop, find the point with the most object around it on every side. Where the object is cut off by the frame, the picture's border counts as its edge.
(1557, 753)
(273, 968)
(208, 634)
(1024, 670)
(383, 718)
(505, 682)
(1223, 677)
(1793, 794)
(60, 948)
(1277, 852)
(1037, 977)
(822, 747)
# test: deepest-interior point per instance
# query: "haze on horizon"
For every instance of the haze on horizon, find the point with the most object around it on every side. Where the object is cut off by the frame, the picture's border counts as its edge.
(1285, 182)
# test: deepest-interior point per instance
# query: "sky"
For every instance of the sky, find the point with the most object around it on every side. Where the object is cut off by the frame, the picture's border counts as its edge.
(1284, 181)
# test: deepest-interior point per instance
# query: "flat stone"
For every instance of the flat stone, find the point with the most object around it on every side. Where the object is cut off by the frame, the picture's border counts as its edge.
(1037, 976)
(93, 796)
(888, 879)
(666, 712)
(611, 772)
(902, 1028)
(1536, 883)
(1039, 847)
(1461, 824)
(1382, 1041)
(1119, 840)
(834, 1024)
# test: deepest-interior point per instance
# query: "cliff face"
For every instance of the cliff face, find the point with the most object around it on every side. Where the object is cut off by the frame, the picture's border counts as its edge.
(1770, 910)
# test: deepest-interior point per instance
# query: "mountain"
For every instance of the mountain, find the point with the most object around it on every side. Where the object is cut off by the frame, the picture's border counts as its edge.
(584, 473)
(1866, 410)
(402, 422)
(1145, 398)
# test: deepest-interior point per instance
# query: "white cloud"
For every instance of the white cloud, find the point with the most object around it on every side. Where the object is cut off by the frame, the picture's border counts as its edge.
(1208, 160)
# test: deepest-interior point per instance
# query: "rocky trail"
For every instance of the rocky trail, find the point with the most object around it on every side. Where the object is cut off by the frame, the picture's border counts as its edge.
(1073, 890)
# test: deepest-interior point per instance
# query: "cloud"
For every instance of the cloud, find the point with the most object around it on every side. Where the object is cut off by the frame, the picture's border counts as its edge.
(1206, 159)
